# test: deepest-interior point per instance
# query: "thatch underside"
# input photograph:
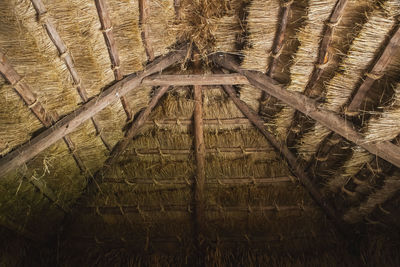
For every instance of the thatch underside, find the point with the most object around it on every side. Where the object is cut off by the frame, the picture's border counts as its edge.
(102, 165)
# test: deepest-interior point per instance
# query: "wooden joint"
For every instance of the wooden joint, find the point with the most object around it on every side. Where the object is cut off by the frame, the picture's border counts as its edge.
(42, 18)
(374, 76)
(107, 30)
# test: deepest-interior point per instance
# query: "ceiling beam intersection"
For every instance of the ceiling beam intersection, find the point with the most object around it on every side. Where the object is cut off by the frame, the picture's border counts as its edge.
(70, 122)
(107, 29)
(386, 150)
(281, 147)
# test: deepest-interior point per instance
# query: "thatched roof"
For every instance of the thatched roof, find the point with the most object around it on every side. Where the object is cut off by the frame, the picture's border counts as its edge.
(199, 132)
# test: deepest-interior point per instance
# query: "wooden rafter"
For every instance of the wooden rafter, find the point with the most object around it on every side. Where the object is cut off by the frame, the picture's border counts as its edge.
(354, 107)
(193, 79)
(321, 63)
(107, 30)
(64, 54)
(144, 14)
(120, 147)
(277, 46)
(296, 168)
(36, 107)
(121, 210)
(209, 181)
(200, 157)
(279, 36)
(323, 55)
(375, 73)
(386, 150)
(70, 122)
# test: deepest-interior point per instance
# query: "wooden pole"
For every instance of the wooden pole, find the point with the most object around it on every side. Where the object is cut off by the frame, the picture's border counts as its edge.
(386, 150)
(36, 107)
(200, 157)
(210, 181)
(288, 155)
(376, 72)
(68, 60)
(108, 34)
(120, 147)
(193, 79)
(144, 14)
(70, 122)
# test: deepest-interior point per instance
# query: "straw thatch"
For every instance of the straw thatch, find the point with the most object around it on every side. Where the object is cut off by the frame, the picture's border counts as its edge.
(105, 174)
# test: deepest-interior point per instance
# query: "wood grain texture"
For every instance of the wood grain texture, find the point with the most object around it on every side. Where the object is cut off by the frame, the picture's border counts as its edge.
(144, 13)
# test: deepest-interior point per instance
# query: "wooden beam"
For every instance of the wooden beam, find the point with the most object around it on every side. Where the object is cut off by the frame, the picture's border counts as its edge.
(200, 157)
(121, 210)
(120, 147)
(320, 65)
(64, 54)
(323, 55)
(288, 155)
(192, 79)
(36, 107)
(106, 26)
(48, 193)
(279, 36)
(209, 181)
(207, 122)
(375, 73)
(70, 122)
(144, 14)
(386, 150)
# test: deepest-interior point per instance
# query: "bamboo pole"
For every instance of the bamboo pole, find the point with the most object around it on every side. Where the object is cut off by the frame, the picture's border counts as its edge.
(288, 155)
(70, 122)
(106, 25)
(386, 150)
(67, 58)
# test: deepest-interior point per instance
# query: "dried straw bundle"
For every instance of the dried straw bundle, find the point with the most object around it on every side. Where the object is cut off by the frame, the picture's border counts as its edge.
(305, 57)
(261, 26)
(162, 15)
(390, 188)
(362, 52)
(125, 18)
(206, 23)
(384, 126)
